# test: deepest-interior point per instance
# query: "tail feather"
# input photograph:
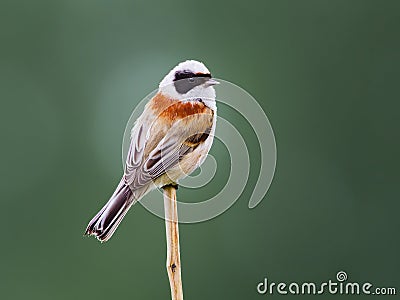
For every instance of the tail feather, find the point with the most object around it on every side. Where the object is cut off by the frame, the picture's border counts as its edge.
(104, 224)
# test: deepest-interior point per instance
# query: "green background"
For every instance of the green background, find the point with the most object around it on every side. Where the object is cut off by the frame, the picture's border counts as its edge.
(325, 72)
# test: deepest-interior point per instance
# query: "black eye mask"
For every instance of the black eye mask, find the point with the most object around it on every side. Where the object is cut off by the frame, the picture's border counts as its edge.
(186, 80)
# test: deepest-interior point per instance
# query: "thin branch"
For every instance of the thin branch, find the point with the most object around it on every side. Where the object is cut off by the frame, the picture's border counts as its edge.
(172, 231)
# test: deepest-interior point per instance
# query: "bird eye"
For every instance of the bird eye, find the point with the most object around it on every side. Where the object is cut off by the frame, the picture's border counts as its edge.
(191, 79)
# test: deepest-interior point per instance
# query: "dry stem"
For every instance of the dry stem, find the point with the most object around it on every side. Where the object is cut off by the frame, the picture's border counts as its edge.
(172, 231)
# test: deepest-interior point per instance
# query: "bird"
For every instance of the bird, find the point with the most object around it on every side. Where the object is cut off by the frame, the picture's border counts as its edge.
(170, 139)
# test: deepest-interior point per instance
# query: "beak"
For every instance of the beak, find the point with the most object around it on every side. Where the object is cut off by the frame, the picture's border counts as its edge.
(211, 82)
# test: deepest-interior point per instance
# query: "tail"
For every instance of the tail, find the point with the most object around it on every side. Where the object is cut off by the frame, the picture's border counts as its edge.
(104, 224)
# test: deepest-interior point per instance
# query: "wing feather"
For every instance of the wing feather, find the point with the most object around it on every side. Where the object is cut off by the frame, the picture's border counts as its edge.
(156, 147)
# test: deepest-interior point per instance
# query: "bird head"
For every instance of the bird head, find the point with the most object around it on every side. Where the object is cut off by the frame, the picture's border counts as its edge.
(189, 79)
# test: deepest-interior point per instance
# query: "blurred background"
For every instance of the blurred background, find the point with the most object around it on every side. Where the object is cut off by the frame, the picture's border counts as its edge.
(325, 72)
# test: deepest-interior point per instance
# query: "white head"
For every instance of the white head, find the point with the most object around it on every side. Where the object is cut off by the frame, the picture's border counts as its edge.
(190, 79)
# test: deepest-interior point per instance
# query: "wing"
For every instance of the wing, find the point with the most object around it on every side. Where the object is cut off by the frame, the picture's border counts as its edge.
(157, 145)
